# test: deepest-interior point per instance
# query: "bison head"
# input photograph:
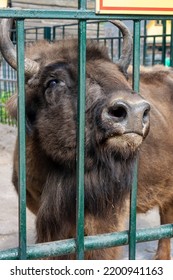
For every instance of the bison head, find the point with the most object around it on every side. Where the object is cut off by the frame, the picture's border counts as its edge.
(116, 118)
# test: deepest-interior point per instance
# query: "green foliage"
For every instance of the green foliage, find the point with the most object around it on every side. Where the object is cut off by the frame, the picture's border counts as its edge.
(4, 96)
(4, 118)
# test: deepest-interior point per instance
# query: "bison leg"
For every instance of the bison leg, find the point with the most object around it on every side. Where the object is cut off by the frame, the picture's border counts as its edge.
(164, 245)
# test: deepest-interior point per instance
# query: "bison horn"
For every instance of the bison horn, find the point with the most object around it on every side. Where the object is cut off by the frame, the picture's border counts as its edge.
(8, 50)
(126, 55)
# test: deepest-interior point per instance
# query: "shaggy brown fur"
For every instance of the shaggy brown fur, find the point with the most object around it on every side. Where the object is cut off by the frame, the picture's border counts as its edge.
(117, 121)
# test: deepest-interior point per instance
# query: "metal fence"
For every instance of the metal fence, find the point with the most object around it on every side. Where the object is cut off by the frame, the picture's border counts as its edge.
(81, 243)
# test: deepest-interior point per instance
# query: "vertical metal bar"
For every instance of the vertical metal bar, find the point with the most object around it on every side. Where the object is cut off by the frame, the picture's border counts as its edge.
(54, 33)
(119, 43)
(112, 49)
(145, 42)
(81, 136)
(105, 42)
(164, 42)
(136, 55)
(63, 32)
(21, 133)
(47, 33)
(98, 29)
(153, 50)
(36, 34)
(82, 4)
(133, 201)
(171, 45)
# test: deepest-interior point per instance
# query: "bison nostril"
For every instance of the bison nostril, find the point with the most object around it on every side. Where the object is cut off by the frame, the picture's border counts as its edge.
(118, 112)
(146, 116)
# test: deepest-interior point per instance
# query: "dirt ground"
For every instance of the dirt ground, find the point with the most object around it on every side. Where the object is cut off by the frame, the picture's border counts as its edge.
(9, 205)
(8, 196)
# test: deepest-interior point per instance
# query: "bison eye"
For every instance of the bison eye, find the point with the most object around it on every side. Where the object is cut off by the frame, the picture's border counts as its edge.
(52, 83)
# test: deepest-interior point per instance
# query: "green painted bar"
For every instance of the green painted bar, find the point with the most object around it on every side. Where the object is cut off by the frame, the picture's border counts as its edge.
(47, 33)
(171, 45)
(81, 138)
(145, 41)
(136, 70)
(153, 50)
(22, 144)
(82, 4)
(164, 42)
(91, 242)
(136, 55)
(81, 134)
(132, 223)
(72, 14)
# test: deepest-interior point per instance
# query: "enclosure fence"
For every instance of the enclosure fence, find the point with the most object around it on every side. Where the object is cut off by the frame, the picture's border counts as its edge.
(81, 243)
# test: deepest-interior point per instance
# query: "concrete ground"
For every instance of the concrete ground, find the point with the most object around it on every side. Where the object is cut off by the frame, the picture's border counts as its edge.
(9, 208)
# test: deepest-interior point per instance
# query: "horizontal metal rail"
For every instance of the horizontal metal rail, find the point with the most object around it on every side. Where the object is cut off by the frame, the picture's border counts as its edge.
(72, 14)
(100, 241)
(8, 80)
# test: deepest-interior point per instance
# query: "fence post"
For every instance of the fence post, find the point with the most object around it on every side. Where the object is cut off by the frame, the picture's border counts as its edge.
(171, 45)
(47, 33)
(164, 42)
(81, 134)
(22, 144)
(133, 201)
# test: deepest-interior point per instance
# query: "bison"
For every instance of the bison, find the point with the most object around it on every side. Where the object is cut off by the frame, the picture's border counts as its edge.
(117, 122)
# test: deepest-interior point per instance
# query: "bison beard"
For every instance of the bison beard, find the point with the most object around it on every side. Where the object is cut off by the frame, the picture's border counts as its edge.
(105, 190)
